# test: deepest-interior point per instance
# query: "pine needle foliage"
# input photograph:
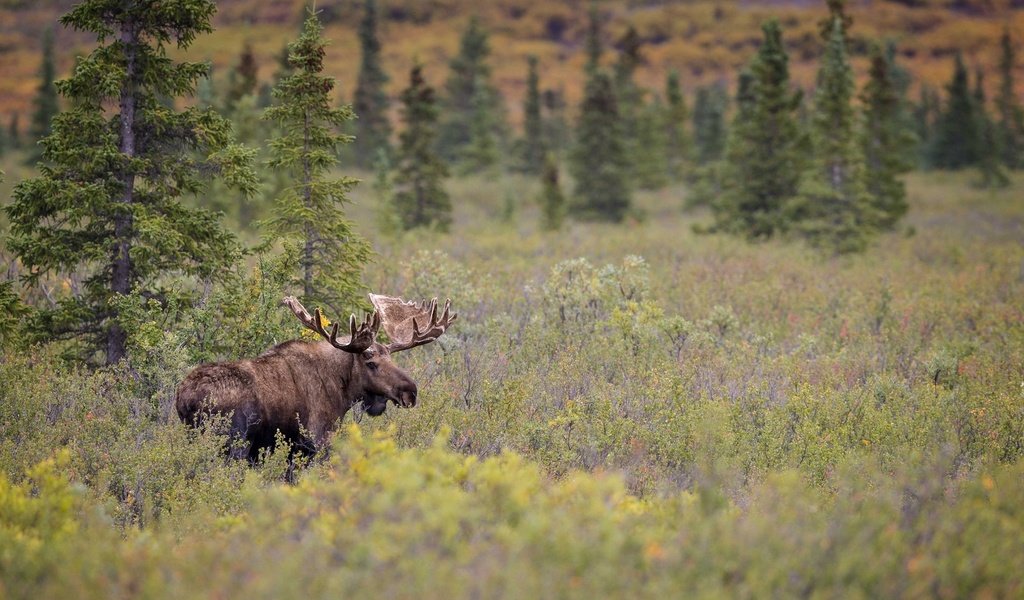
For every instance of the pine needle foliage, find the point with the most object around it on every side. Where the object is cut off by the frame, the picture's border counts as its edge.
(107, 204)
(833, 209)
(310, 213)
(420, 197)
(990, 164)
(46, 107)
(599, 162)
(886, 143)
(470, 97)
(955, 145)
(371, 103)
(552, 200)
(676, 117)
(1011, 114)
(534, 142)
(765, 151)
(709, 123)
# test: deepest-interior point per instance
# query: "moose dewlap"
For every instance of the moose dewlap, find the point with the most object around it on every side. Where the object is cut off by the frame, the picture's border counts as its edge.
(303, 389)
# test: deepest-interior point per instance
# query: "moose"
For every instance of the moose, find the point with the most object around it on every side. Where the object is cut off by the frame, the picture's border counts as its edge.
(303, 389)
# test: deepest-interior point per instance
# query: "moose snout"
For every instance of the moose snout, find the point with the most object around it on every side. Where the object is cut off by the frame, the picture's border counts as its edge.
(407, 397)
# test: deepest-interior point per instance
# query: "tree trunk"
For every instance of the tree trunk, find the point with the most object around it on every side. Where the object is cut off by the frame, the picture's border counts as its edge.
(121, 276)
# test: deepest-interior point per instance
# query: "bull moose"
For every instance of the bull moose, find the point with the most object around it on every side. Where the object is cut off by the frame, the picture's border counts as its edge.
(303, 389)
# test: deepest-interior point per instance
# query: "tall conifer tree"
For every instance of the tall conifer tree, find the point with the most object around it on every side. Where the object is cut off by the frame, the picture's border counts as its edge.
(310, 213)
(468, 90)
(709, 123)
(372, 127)
(885, 142)
(599, 162)
(676, 117)
(46, 100)
(243, 79)
(552, 201)
(988, 154)
(533, 125)
(420, 197)
(764, 156)
(833, 209)
(955, 144)
(1011, 115)
(107, 203)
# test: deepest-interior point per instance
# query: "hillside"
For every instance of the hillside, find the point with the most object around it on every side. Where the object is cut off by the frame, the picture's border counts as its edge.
(705, 41)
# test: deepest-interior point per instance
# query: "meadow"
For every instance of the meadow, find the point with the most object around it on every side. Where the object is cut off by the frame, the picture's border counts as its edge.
(627, 410)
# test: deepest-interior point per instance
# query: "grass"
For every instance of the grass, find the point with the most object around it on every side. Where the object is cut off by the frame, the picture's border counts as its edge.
(621, 411)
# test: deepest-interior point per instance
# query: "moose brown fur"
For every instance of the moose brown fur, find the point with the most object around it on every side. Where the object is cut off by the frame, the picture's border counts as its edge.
(303, 389)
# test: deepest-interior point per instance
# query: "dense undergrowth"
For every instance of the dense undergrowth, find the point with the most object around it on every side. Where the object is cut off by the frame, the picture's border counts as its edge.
(620, 411)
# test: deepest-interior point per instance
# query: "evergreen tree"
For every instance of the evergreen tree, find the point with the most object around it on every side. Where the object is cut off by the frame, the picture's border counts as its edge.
(482, 151)
(468, 91)
(676, 116)
(1011, 115)
(533, 125)
(650, 152)
(243, 79)
(593, 41)
(885, 142)
(311, 212)
(383, 190)
(14, 132)
(956, 131)
(372, 128)
(206, 91)
(107, 201)
(599, 163)
(836, 10)
(923, 116)
(988, 154)
(765, 155)
(552, 201)
(420, 198)
(833, 209)
(556, 126)
(709, 123)
(46, 100)
(630, 97)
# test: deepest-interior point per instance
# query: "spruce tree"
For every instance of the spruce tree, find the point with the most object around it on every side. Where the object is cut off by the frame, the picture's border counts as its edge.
(371, 103)
(420, 198)
(833, 209)
(556, 126)
(14, 132)
(533, 147)
(468, 90)
(243, 79)
(1011, 115)
(599, 163)
(629, 96)
(676, 117)
(989, 156)
(482, 151)
(885, 142)
(46, 100)
(552, 201)
(955, 143)
(594, 46)
(311, 213)
(650, 151)
(764, 156)
(923, 116)
(709, 123)
(107, 203)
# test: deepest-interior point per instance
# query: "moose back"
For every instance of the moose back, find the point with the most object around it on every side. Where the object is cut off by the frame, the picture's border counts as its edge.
(303, 389)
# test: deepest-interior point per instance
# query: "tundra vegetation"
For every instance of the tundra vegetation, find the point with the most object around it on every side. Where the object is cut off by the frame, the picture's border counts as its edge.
(626, 407)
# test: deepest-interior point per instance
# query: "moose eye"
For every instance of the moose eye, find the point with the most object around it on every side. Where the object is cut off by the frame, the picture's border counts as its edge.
(371, 365)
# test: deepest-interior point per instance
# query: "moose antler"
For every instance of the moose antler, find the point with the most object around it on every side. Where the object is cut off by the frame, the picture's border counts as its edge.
(359, 338)
(411, 324)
